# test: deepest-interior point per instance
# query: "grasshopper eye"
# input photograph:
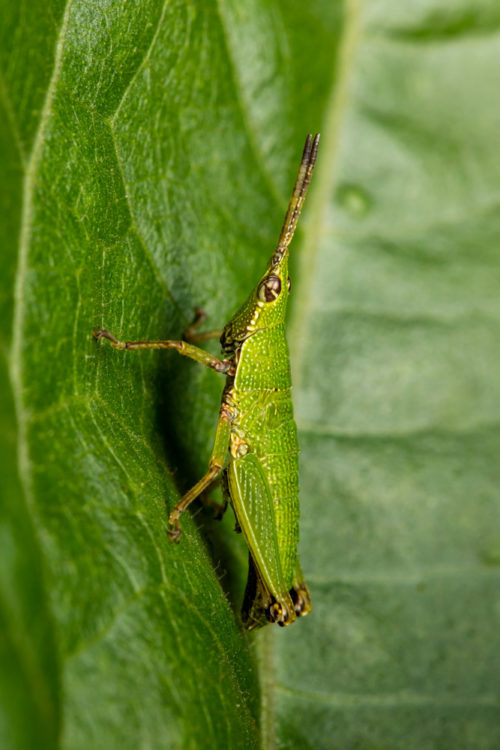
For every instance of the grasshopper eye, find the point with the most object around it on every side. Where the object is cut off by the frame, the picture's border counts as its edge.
(269, 288)
(289, 284)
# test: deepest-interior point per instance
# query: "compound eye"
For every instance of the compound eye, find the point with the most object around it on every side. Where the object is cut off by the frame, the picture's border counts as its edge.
(269, 288)
(289, 283)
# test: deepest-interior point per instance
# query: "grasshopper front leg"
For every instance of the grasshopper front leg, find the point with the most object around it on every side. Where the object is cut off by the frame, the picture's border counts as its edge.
(224, 366)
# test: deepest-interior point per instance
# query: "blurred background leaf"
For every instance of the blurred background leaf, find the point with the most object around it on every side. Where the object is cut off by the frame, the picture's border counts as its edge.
(148, 152)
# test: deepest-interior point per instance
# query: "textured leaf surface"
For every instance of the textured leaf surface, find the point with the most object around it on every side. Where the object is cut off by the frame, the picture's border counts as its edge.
(149, 153)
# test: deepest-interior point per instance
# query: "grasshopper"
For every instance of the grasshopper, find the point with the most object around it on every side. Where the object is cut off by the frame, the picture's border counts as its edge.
(257, 429)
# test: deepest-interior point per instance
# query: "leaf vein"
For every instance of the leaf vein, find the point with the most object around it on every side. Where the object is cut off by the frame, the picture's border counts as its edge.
(135, 225)
(243, 109)
(12, 120)
(389, 700)
(144, 60)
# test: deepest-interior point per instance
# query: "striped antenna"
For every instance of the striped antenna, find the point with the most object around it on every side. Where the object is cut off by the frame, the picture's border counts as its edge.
(298, 197)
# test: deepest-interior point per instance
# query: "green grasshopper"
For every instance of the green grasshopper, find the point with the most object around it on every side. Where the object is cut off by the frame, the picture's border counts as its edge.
(256, 427)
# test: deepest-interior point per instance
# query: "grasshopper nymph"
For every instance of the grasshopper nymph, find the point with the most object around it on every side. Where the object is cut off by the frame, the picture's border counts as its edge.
(257, 430)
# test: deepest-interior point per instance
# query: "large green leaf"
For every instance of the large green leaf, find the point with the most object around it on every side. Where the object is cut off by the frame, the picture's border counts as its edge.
(148, 153)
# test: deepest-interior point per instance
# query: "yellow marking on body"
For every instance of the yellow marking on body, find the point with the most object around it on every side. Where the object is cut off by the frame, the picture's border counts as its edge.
(239, 447)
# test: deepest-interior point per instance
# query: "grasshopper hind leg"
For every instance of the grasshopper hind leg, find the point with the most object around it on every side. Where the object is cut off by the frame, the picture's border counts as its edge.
(301, 599)
(299, 592)
(259, 606)
(216, 465)
(253, 611)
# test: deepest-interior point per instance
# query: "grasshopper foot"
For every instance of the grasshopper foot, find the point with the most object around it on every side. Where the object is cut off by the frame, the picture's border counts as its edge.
(174, 534)
(301, 599)
(174, 528)
(279, 612)
(101, 333)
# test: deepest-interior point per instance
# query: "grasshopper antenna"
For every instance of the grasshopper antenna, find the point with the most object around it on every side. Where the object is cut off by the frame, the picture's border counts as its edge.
(298, 196)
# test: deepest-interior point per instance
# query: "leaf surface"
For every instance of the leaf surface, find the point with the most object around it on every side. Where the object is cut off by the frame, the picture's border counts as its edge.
(149, 153)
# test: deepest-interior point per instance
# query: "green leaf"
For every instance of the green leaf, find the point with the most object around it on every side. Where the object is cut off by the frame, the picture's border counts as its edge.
(148, 151)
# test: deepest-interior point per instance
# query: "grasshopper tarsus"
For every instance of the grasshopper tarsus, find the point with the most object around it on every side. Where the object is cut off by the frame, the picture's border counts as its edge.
(174, 526)
(174, 533)
(102, 333)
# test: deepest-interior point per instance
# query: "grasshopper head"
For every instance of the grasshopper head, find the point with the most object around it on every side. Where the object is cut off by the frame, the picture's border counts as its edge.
(266, 305)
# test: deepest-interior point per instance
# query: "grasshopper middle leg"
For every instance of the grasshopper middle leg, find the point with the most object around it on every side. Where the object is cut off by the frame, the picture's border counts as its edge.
(192, 334)
(224, 425)
(215, 467)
